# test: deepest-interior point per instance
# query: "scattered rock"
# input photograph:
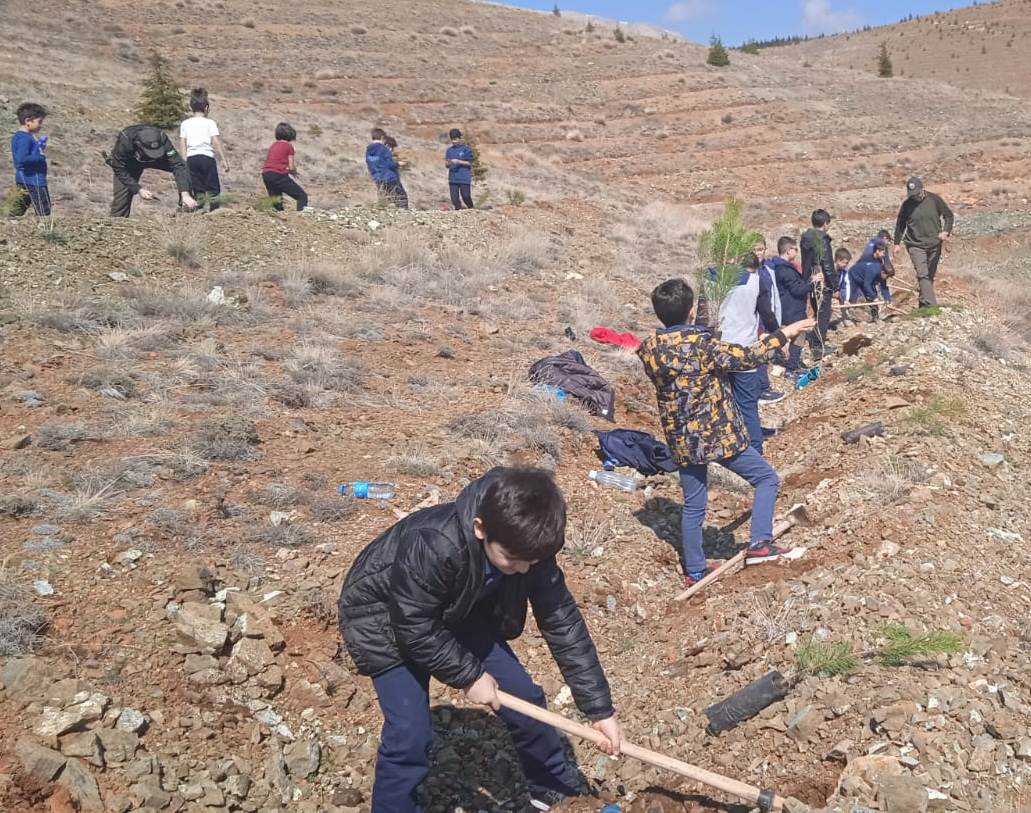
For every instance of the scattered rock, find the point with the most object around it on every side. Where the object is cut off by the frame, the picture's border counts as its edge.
(990, 460)
(80, 784)
(854, 344)
(54, 722)
(85, 745)
(119, 746)
(302, 758)
(196, 625)
(902, 794)
(39, 762)
(901, 369)
(870, 430)
(131, 721)
(252, 655)
(15, 442)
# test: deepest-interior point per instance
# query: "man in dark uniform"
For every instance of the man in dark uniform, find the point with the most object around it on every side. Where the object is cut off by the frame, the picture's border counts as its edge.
(141, 147)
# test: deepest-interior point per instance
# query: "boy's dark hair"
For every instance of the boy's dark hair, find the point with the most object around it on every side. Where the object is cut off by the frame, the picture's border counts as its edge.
(30, 110)
(284, 132)
(524, 512)
(750, 260)
(672, 301)
(390, 141)
(454, 133)
(378, 134)
(199, 100)
(784, 243)
(820, 218)
(884, 234)
(842, 254)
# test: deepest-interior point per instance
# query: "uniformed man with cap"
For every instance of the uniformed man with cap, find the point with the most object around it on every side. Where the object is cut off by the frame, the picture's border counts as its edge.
(140, 147)
(924, 223)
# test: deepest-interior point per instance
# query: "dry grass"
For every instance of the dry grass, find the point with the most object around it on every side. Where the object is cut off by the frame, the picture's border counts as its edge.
(118, 383)
(152, 420)
(91, 497)
(284, 535)
(16, 506)
(182, 240)
(893, 480)
(332, 509)
(57, 437)
(226, 438)
(279, 496)
(318, 374)
(22, 622)
(416, 461)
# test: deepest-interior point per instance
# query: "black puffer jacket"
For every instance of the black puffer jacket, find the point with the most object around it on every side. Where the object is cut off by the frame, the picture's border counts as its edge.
(424, 575)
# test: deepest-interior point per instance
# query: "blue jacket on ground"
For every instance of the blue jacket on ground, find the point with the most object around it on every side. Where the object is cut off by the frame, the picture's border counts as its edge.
(30, 164)
(794, 290)
(381, 163)
(459, 174)
(865, 279)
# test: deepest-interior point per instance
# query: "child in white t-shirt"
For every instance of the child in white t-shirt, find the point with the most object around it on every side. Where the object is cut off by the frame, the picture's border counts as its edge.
(199, 142)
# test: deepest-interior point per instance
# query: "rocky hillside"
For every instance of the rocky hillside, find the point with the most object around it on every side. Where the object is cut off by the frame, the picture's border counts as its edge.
(180, 396)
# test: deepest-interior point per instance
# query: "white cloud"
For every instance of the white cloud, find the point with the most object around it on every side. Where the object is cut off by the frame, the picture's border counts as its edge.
(819, 18)
(685, 10)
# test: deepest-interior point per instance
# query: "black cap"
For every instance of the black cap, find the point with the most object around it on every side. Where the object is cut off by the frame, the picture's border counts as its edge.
(455, 133)
(151, 143)
(914, 186)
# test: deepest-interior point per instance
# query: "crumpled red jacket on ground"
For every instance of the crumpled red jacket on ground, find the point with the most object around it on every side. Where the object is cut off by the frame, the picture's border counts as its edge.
(606, 335)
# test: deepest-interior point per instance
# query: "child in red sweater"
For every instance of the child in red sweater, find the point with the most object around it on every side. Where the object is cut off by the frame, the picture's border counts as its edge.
(279, 172)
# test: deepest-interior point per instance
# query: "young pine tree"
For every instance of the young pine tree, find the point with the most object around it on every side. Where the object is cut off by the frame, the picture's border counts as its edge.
(720, 248)
(161, 102)
(718, 55)
(479, 169)
(884, 66)
(750, 47)
(556, 11)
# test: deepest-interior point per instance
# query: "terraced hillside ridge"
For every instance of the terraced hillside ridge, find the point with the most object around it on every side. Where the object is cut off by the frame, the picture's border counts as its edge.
(181, 395)
(977, 47)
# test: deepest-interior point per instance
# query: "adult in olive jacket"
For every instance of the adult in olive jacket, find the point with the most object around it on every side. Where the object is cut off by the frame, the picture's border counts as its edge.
(923, 225)
(138, 148)
(439, 594)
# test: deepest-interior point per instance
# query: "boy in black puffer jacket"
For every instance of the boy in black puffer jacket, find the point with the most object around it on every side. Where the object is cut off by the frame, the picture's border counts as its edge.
(439, 594)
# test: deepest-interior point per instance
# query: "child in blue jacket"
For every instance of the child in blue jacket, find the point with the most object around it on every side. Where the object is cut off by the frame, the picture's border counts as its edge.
(384, 170)
(459, 162)
(795, 291)
(28, 151)
(868, 278)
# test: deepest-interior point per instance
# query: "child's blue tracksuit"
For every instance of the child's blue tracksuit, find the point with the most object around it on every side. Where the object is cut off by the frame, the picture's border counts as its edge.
(30, 173)
(865, 279)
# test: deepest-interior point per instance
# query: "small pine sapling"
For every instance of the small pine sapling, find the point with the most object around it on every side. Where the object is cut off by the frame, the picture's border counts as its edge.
(161, 101)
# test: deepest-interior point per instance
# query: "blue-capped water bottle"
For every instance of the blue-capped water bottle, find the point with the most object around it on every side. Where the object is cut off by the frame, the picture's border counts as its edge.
(364, 490)
(807, 378)
(550, 389)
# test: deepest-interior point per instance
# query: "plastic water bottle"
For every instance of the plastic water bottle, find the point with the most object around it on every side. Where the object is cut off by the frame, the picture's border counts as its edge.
(611, 809)
(623, 482)
(365, 490)
(807, 378)
(553, 391)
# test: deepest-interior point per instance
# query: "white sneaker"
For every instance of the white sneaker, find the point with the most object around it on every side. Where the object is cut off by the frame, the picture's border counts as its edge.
(308, 209)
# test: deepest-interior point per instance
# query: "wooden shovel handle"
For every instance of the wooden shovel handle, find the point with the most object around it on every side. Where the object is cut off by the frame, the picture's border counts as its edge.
(741, 790)
(731, 565)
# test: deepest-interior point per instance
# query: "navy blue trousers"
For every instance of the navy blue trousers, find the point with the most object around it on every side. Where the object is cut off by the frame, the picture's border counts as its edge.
(402, 762)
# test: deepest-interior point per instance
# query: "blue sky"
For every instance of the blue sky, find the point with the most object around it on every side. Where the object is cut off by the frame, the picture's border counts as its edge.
(738, 20)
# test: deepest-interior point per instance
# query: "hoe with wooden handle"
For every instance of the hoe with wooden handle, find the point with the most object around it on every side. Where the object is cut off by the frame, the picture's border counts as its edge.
(796, 516)
(764, 799)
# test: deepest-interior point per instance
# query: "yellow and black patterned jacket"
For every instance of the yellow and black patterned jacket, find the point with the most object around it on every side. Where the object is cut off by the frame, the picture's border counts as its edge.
(690, 368)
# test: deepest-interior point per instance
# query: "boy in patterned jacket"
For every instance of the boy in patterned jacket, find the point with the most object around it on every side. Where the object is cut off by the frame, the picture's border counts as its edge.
(691, 372)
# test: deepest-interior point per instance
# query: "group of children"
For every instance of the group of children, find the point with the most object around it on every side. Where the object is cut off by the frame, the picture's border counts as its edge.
(195, 164)
(385, 165)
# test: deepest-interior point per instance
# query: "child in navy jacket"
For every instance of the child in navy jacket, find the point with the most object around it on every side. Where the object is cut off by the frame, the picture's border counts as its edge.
(795, 292)
(868, 278)
(459, 162)
(384, 170)
(28, 151)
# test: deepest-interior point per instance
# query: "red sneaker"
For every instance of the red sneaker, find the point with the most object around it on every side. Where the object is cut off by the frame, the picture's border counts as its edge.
(761, 552)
